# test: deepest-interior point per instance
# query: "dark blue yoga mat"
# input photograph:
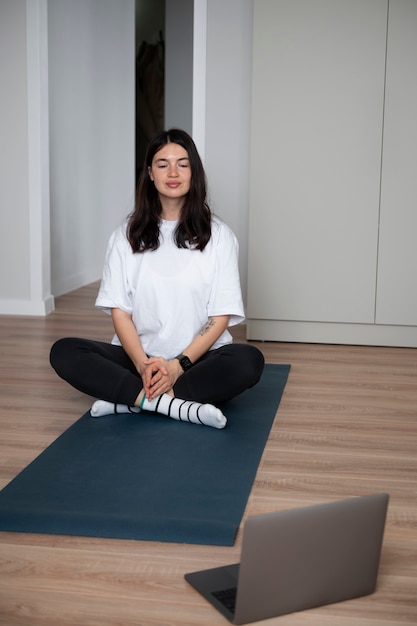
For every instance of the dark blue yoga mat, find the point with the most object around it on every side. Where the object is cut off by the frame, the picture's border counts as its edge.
(146, 476)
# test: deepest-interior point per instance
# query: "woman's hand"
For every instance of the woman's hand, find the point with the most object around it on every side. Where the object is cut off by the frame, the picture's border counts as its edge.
(159, 376)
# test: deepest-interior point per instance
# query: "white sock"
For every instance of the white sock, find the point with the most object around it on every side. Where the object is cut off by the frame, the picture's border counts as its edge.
(101, 407)
(185, 410)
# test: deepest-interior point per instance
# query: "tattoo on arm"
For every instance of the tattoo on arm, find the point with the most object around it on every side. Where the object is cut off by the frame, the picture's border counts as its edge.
(209, 324)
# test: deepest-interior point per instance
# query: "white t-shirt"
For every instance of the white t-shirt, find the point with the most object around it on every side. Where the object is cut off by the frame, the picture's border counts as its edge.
(171, 292)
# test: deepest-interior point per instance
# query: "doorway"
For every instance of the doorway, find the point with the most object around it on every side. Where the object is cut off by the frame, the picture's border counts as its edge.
(164, 69)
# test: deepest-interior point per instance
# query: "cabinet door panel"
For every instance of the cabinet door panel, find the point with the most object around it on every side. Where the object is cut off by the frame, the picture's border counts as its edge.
(397, 263)
(318, 84)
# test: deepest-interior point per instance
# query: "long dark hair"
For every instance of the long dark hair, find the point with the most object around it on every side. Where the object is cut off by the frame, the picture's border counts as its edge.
(194, 226)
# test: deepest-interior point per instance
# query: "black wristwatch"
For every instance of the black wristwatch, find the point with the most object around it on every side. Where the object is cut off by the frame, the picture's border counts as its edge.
(184, 361)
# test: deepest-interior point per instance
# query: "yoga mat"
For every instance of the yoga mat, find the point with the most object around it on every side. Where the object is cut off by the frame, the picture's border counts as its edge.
(146, 476)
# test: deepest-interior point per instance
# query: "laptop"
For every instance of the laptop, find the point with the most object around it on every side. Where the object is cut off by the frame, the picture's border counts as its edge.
(299, 559)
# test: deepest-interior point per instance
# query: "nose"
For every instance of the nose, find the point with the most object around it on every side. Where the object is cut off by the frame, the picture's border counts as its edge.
(172, 171)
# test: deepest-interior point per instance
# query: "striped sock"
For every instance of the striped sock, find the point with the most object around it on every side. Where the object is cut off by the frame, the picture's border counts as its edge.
(185, 410)
(101, 407)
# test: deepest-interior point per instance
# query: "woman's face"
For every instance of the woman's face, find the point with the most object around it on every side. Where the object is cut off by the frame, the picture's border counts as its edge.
(171, 172)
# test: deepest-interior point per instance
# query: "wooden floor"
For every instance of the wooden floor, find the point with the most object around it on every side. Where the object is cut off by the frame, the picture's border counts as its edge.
(346, 426)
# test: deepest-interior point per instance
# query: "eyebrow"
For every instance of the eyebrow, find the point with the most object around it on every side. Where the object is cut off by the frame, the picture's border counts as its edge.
(166, 160)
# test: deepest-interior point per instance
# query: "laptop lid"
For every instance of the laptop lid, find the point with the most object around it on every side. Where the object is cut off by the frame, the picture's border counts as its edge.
(302, 558)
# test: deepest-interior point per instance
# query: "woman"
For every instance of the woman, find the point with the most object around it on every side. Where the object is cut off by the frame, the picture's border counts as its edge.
(171, 284)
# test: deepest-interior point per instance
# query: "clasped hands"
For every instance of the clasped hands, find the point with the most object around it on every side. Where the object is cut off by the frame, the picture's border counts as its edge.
(159, 376)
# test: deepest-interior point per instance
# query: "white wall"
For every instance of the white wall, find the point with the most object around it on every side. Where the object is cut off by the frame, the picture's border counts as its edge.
(24, 173)
(14, 172)
(227, 130)
(91, 78)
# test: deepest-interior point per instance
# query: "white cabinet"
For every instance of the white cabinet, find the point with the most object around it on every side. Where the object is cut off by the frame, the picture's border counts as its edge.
(319, 235)
(396, 301)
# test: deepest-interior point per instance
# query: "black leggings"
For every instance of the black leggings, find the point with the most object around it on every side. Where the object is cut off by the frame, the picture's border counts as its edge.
(106, 372)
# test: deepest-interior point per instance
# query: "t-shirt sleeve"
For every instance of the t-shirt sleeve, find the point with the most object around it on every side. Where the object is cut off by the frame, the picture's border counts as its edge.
(114, 289)
(226, 294)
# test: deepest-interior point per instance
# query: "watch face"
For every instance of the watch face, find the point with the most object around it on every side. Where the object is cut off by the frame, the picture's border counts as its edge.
(185, 363)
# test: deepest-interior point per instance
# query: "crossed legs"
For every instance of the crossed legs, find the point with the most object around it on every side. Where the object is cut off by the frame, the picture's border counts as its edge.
(106, 372)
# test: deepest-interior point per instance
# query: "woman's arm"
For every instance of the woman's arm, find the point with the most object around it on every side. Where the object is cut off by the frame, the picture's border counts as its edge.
(208, 335)
(166, 373)
(128, 336)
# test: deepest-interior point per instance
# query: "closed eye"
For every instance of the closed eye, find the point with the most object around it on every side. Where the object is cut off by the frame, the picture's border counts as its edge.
(181, 163)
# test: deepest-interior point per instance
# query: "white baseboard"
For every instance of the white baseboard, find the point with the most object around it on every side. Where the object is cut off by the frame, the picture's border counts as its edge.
(332, 333)
(27, 307)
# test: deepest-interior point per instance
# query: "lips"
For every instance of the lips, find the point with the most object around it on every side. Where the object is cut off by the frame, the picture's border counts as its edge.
(173, 185)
